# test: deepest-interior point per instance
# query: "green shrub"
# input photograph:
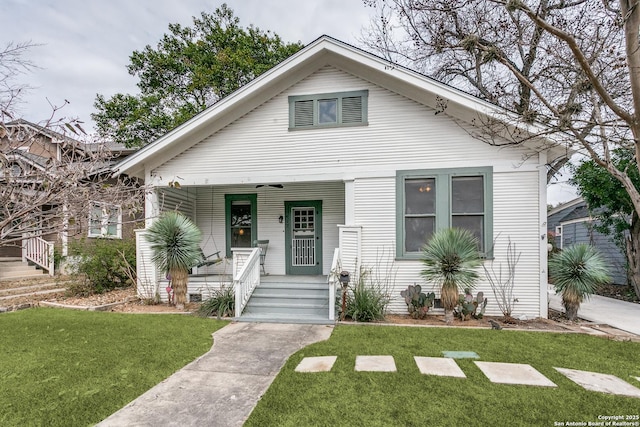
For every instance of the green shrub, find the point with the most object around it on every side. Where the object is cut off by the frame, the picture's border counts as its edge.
(221, 304)
(367, 299)
(103, 265)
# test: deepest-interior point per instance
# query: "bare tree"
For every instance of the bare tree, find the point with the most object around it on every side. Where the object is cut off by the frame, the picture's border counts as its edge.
(572, 66)
(49, 181)
(43, 193)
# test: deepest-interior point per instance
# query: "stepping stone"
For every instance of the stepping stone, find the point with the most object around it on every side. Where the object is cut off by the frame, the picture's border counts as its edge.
(603, 383)
(440, 366)
(461, 354)
(316, 364)
(513, 373)
(375, 364)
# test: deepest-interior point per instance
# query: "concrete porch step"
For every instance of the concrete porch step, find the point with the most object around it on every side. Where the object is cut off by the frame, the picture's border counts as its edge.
(289, 299)
(12, 269)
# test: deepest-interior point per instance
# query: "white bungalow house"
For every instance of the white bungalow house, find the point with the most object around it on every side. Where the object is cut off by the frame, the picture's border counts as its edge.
(343, 161)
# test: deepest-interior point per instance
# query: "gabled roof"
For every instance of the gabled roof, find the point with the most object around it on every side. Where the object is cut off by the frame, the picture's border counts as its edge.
(319, 53)
(56, 137)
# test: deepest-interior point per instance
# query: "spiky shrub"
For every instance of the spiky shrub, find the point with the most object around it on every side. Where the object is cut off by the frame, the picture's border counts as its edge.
(221, 304)
(576, 272)
(368, 298)
(175, 247)
(450, 260)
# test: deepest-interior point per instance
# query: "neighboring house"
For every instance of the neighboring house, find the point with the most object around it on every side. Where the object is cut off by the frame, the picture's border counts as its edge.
(338, 149)
(571, 223)
(27, 146)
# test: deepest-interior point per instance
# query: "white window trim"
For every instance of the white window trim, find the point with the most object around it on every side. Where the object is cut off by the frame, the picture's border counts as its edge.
(106, 207)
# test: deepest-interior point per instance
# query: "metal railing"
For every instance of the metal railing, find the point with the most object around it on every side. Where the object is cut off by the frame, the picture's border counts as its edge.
(333, 281)
(246, 275)
(40, 252)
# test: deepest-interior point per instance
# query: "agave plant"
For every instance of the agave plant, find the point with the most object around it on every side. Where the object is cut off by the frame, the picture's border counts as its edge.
(577, 272)
(450, 259)
(175, 247)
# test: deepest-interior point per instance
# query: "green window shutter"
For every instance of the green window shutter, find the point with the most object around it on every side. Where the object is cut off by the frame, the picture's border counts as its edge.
(303, 114)
(352, 109)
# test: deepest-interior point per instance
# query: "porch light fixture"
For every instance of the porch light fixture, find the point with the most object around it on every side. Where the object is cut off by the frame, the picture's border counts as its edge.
(280, 219)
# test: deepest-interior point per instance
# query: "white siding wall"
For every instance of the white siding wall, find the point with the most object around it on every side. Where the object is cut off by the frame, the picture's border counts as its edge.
(515, 217)
(401, 134)
(147, 275)
(312, 164)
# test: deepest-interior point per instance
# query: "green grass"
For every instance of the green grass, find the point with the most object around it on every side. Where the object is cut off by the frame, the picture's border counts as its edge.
(75, 368)
(408, 398)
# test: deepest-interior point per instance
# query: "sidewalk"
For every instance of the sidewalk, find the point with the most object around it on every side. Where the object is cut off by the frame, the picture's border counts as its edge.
(222, 387)
(609, 311)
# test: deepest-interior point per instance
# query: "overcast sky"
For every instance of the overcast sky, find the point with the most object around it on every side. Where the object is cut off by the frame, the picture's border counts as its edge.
(85, 44)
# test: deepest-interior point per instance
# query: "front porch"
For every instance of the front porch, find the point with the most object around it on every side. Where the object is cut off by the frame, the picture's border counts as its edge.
(303, 225)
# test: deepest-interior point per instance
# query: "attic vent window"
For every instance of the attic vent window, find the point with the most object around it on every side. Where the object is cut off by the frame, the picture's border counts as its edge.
(328, 110)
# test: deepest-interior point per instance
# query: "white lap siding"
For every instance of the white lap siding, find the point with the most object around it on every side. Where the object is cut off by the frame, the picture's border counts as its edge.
(515, 216)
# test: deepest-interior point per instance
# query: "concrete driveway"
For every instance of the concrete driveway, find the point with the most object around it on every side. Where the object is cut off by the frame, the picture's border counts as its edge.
(608, 311)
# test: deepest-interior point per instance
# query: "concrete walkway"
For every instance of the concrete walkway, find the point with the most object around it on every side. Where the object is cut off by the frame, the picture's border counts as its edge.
(607, 311)
(222, 387)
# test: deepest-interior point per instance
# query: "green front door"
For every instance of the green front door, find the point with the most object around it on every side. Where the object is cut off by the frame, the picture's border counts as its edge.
(303, 236)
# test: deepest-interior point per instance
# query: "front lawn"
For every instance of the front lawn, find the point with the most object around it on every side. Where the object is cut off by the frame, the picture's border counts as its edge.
(75, 368)
(408, 398)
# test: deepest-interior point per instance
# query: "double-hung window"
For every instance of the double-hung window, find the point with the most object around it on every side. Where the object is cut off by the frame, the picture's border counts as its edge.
(105, 220)
(328, 110)
(241, 220)
(430, 200)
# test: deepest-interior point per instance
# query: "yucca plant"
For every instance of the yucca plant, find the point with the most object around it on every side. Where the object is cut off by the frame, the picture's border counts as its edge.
(175, 247)
(577, 272)
(449, 260)
(221, 304)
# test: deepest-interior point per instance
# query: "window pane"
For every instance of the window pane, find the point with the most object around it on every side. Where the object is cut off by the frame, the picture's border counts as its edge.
(241, 237)
(417, 232)
(112, 230)
(473, 223)
(328, 111)
(467, 194)
(420, 196)
(241, 224)
(95, 221)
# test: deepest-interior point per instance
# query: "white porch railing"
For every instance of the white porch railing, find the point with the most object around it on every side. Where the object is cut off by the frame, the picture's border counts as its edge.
(246, 275)
(40, 252)
(333, 279)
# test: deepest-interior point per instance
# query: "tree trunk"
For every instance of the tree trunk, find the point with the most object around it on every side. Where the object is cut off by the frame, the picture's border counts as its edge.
(449, 298)
(633, 252)
(571, 311)
(179, 280)
(448, 316)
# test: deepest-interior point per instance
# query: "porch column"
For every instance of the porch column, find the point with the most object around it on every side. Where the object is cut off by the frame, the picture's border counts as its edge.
(350, 238)
(349, 202)
(151, 207)
(542, 205)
